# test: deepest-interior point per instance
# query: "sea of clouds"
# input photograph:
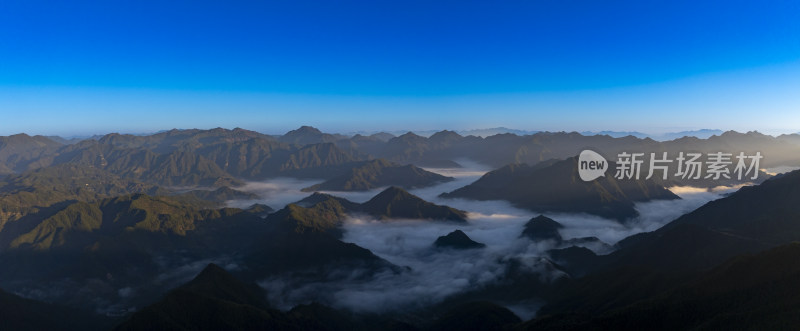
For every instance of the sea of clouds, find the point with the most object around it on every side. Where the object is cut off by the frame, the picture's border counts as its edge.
(435, 273)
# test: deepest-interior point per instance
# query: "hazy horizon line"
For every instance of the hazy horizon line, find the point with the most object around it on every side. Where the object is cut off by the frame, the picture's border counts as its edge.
(482, 132)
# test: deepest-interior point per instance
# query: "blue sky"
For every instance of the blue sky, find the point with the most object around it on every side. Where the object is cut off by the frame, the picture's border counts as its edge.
(89, 67)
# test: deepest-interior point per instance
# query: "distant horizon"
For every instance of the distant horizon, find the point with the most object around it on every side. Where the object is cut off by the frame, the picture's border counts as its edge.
(483, 132)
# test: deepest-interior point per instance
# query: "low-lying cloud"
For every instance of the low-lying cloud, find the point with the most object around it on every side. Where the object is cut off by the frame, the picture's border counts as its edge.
(275, 192)
(435, 273)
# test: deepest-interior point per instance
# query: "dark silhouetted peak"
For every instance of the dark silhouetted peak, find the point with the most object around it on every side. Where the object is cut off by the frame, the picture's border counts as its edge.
(393, 193)
(317, 197)
(770, 207)
(458, 240)
(395, 202)
(307, 135)
(542, 228)
(211, 274)
(305, 129)
(444, 136)
(410, 135)
(214, 300)
(216, 282)
(748, 292)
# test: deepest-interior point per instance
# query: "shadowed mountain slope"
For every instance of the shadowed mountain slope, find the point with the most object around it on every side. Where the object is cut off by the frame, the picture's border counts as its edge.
(458, 240)
(379, 173)
(555, 186)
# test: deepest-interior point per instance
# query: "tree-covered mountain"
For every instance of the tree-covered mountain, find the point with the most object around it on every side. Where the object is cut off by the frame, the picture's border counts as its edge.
(391, 203)
(131, 241)
(45, 186)
(114, 243)
(749, 292)
(506, 148)
(751, 219)
(380, 173)
(53, 187)
(217, 300)
(213, 300)
(305, 236)
(117, 223)
(395, 202)
(316, 213)
(307, 135)
(95, 249)
(652, 275)
(21, 151)
(216, 157)
(555, 186)
(181, 157)
(180, 167)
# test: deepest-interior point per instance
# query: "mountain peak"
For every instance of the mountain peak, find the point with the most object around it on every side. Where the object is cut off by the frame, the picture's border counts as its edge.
(445, 134)
(394, 193)
(313, 199)
(307, 135)
(409, 135)
(395, 202)
(542, 228)
(458, 240)
(305, 129)
(318, 197)
(19, 137)
(212, 273)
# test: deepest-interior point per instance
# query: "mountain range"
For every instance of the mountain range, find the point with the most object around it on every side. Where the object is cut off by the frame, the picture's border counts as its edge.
(223, 157)
(132, 240)
(133, 231)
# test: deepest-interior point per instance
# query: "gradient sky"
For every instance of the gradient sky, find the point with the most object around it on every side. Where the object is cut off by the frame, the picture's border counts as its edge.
(85, 67)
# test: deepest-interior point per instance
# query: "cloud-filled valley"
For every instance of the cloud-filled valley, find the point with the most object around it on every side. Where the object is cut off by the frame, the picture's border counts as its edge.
(435, 273)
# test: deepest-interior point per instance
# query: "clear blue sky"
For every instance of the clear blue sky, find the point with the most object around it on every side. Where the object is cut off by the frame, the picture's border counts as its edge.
(83, 67)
